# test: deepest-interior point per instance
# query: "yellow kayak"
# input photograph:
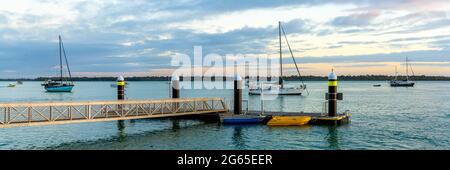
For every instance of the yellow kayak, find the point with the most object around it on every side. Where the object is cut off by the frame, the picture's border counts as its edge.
(288, 120)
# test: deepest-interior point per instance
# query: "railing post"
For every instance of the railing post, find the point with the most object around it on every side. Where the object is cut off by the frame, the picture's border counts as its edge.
(195, 106)
(9, 115)
(70, 112)
(88, 110)
(50, 113)
(4, 120)
(29, 114)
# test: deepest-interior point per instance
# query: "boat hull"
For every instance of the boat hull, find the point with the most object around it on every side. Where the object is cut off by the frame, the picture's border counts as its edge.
(283, 91)
(288, 120)
(402, 84)
(58, 88)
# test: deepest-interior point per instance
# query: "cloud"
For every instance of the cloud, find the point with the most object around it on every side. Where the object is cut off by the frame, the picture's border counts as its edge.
(357, 19)
(137, 36)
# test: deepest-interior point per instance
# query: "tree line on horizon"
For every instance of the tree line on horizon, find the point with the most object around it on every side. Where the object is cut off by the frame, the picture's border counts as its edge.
(286, 78)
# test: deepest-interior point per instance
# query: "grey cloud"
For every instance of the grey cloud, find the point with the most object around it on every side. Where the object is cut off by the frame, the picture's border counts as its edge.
(357, 19)
(95, 39)
(417, 56)
(426, 26)
(3, 19)
(359, 65)
(356, 30)
(446, 64)
(356, 42)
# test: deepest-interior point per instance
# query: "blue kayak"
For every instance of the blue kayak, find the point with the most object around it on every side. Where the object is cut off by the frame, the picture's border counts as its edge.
(242, 120)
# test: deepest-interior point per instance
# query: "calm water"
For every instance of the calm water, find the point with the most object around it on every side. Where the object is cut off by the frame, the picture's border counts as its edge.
(382, 118)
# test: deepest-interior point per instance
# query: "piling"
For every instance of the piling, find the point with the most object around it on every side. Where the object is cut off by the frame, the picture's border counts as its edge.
(332, 94)
(237, 95)
(175, 91)
(175, 87)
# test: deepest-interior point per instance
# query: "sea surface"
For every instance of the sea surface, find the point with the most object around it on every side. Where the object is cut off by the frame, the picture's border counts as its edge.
(382, 118)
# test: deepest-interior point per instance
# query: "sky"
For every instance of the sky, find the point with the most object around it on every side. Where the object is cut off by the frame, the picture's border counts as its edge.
(139, 37)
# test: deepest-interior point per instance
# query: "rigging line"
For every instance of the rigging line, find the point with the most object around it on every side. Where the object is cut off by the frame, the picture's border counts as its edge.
(60, 61)
(412, 70)
(292, 55)
(67, 63)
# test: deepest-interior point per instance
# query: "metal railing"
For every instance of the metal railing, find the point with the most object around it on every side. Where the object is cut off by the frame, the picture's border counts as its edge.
(28, 113)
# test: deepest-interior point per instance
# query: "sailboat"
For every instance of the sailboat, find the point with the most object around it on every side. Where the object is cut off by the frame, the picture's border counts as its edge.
(279, 88)
(405, 82)
(62, 84)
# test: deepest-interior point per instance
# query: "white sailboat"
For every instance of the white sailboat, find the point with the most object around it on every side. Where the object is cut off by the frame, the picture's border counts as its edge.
(279, 88)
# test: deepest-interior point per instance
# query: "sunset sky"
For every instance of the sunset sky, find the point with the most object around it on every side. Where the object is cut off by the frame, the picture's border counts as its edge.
(138, 37)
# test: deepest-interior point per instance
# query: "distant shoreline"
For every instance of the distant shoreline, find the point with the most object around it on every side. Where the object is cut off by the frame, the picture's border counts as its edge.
(288, 78)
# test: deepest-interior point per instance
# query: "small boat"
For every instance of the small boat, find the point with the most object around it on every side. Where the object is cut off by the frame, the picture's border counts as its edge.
(289, 120)
(19, 82)
(243, 119)
(62, 84)
(377, 85)
(402, 83)
(279, 88)
(11, 85)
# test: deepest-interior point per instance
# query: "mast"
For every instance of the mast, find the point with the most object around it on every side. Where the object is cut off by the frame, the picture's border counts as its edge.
(395, 73)
(60, 60)
(280, 81)
(292, 55)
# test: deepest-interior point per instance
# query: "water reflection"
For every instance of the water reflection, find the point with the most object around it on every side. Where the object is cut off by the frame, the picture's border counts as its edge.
(237, 138)
(332, 138)
(121, 130)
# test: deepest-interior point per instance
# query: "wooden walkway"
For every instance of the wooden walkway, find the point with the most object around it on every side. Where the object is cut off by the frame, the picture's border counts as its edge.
(48, 113)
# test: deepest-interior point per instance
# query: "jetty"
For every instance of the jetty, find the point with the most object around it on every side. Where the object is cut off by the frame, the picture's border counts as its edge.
(49, 113)
(16, 114)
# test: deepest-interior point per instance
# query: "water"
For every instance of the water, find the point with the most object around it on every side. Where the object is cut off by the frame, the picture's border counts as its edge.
(382, 118)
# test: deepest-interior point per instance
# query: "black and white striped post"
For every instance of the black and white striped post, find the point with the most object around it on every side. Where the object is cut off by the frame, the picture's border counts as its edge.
(237, 95)
(332, 95)
(120, 88)
(120, 96)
